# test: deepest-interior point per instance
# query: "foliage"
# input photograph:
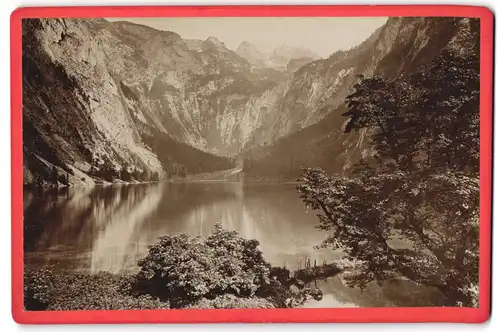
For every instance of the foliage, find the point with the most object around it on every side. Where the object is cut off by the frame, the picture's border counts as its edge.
(229, 301)
(422, 186)
(44, 290)
(181, 159)
(185, 269)
(428, 119)
(108, 172)
(38, 287)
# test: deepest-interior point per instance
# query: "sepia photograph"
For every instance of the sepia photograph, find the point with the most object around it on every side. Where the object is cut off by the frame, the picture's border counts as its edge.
(250, 162)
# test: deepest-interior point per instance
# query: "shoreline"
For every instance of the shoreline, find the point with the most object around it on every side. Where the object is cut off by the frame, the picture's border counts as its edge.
(110, 184)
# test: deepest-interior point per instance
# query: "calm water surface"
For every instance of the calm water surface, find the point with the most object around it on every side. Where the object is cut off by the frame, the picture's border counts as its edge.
(110, 229)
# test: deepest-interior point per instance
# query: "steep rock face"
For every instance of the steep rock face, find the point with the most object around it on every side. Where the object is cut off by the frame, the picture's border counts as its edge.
(72, 105)
(317, 93)
(78, 115)
(418, 40)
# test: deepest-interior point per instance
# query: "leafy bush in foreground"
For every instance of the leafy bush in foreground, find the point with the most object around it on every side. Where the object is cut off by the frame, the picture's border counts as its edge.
(185, 269)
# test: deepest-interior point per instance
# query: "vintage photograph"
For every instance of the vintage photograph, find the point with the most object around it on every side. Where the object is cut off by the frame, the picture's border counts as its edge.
(246, 162)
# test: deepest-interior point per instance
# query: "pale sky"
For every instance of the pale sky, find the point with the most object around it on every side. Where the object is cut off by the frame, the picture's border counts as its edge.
(322, 35)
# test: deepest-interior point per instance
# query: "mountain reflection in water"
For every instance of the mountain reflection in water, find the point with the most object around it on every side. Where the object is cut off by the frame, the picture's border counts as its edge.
(110, 228)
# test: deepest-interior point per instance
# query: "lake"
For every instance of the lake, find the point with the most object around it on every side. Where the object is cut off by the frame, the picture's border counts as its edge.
(109, 228)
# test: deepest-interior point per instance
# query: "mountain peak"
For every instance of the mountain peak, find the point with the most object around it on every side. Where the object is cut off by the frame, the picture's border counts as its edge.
(292, 52)
(246, 44)
(250, 52)
(215, 41)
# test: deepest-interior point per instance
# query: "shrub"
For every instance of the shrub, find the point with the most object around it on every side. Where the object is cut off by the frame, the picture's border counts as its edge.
(239, 264)
(229, 301)
(185, 269)
(76, 291)
(38, 288)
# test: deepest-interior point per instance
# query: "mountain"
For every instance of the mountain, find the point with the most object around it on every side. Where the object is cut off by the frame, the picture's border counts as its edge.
(283, 54)
(320, 86)
(250, 52)
(81, 122)
(202, 93)
(127, 83)
(197, 92)
(283, 58)
(113, 99)
(318, 91)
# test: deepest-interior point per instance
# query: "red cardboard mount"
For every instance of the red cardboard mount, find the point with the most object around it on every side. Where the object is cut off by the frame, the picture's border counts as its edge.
(399, 314)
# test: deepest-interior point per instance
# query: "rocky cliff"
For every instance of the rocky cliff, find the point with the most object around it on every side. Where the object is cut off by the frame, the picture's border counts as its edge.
(81, 121)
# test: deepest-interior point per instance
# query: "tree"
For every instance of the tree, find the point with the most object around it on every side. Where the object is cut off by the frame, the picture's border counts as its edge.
(125, 175)
(109, 173)
(137, 174)
(155, 176)
(428, 119)
(182, 171)
(436, 216)
(422, 185)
